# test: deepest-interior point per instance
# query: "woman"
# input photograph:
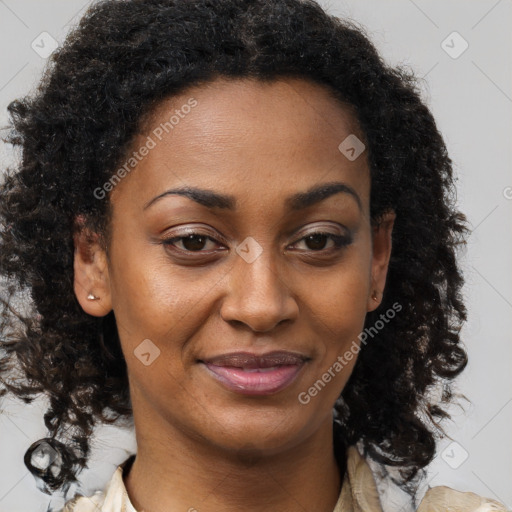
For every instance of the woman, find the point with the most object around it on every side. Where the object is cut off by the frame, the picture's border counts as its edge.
(235, 224)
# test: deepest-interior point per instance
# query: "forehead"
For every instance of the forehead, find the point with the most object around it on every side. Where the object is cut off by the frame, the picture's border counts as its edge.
(246, 133)
(305, 108)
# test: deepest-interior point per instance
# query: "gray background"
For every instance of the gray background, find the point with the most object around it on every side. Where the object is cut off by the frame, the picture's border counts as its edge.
(470, 96)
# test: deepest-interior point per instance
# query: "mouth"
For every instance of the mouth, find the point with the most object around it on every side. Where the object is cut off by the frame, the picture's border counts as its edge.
(252, 374)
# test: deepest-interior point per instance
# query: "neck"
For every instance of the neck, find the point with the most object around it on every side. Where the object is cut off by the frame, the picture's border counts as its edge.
(173, 471)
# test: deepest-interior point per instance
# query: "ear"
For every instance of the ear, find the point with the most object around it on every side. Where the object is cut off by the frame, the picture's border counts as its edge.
(381, 236)
(91, 276)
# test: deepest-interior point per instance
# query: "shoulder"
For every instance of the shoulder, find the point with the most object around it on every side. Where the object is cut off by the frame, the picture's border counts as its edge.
(361, 484)
(111, 499)
(85, 503)
(446, 499)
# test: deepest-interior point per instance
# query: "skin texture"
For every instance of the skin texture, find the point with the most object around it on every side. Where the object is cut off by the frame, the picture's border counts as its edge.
(199, 444)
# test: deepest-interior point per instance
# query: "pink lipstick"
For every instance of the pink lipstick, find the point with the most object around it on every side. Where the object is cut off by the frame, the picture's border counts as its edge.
(253, 374)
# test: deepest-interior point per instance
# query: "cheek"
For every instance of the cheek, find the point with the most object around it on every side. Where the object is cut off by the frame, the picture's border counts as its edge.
(339, 297)
(339, 305)
(149, 294)
(155, 308)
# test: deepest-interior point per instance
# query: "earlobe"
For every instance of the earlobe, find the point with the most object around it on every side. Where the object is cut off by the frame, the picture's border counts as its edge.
(382, 245)
(91, 278)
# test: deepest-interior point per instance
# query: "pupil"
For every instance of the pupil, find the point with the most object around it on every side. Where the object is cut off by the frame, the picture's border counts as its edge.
(317, 241)
(191, 242)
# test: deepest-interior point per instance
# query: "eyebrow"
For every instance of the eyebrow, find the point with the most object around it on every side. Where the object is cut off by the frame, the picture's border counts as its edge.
(298, 201)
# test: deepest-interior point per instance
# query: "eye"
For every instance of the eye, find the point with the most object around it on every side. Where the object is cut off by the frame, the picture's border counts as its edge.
(317, 240)
(192, 242)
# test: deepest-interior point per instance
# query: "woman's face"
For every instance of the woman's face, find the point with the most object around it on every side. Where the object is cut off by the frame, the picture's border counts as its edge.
(269, 260)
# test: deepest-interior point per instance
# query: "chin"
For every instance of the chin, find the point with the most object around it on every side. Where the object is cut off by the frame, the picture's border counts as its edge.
(258, 432)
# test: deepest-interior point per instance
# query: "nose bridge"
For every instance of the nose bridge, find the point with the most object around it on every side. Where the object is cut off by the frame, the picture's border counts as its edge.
(258, 295)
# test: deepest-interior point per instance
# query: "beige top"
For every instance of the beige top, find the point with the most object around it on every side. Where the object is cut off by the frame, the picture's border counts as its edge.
(358, 494)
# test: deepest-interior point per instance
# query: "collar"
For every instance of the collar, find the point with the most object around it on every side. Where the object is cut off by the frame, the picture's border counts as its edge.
(358, 492)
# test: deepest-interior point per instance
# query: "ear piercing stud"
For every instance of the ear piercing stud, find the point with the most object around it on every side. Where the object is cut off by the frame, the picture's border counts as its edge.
(374, 296)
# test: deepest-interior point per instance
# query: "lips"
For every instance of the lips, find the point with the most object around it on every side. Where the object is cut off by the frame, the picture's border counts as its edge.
(247, 360)
(254, 374)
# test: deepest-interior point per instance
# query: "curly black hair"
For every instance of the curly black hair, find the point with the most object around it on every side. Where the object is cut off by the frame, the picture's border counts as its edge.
(115, 67)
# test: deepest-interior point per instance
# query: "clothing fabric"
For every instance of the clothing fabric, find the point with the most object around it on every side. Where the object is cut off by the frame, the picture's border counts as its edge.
(358, 494)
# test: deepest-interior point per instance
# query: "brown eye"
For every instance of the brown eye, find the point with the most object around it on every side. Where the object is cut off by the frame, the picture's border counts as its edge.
(194, 242)
(317, 241)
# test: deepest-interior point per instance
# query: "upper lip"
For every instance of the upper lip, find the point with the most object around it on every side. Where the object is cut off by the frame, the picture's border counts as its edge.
(250, 360)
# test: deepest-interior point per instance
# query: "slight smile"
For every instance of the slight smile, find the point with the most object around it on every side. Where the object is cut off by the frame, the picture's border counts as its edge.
(252, 374)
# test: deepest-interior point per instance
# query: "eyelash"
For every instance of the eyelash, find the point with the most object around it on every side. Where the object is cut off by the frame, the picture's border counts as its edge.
(340, 241)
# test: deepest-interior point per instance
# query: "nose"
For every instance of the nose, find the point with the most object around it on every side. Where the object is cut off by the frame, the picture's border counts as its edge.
(258, 295)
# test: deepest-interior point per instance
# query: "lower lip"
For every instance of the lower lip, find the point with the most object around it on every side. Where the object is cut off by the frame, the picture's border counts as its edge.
(261, 382)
